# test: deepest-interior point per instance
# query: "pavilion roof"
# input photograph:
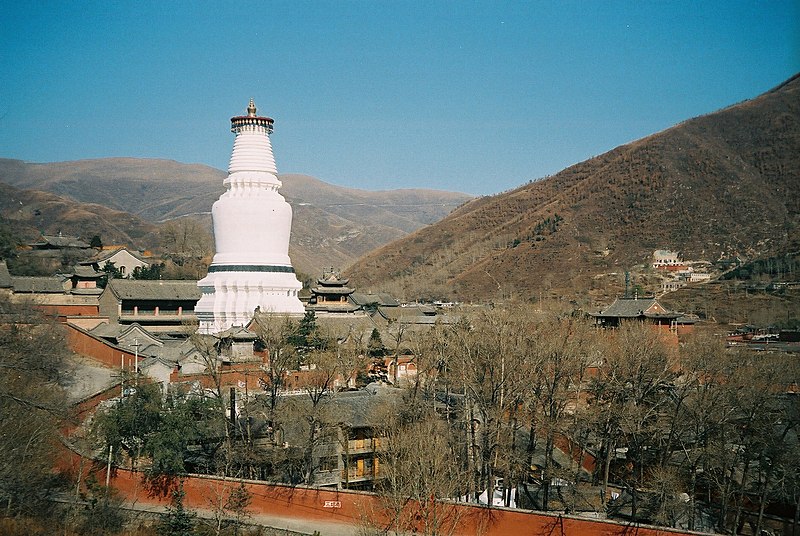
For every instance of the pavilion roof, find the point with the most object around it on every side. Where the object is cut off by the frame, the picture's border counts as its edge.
(636, 307)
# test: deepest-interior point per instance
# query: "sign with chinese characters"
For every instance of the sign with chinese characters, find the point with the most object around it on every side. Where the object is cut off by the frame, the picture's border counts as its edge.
(332, 504)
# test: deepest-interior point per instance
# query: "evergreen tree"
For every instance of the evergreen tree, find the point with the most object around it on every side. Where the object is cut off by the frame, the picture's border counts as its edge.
(112, 272)
(177, 521)
(375, 344)
(306, 337)
(153, 272)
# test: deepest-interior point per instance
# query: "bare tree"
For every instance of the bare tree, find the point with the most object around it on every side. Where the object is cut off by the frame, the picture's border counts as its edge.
(273, 333)
(32, 363)
(419, 470)
(558, 352)
(319, 387)
(185, 239)
(351, 356)
(629, 397)
(229, 505)
(487, 356)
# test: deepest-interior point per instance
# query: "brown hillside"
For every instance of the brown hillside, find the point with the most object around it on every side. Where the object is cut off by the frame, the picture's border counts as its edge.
(714, 186)
(32, 213)
(333, 226)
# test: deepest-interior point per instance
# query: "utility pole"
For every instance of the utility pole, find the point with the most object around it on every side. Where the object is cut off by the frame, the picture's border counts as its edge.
(136, 366)
(108, 468)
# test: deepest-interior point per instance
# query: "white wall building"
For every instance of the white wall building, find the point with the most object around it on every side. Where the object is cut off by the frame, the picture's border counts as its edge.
(124, 261)
(665, 257)
(252, 222)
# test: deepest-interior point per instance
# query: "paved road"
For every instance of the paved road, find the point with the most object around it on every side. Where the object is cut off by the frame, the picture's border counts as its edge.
(299, 526)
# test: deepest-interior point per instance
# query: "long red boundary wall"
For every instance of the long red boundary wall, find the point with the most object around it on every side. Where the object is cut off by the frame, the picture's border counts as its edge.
(354, 508)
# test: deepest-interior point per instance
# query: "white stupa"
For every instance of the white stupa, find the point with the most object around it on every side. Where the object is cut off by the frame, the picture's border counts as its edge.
(252, 222)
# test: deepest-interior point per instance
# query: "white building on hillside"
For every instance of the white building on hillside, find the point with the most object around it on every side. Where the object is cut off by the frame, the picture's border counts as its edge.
(123, 260)
(665, 257)
(252, 222)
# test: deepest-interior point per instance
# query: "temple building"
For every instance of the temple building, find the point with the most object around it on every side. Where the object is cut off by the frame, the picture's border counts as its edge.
(252, 222)
(646, 310)
(331, 294)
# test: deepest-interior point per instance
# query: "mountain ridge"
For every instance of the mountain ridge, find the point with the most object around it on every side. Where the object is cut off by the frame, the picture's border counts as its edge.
(722, 184)
(332, 225)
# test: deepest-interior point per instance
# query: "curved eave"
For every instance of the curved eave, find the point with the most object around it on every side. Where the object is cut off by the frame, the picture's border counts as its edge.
(338, 291)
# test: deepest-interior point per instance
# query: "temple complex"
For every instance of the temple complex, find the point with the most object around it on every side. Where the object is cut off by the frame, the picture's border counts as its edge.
(252, 222)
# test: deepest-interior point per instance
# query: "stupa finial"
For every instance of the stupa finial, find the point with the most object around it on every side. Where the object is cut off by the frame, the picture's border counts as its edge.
(251, 110)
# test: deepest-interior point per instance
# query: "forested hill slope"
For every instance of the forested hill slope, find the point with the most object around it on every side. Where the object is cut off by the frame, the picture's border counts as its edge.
(715, 186)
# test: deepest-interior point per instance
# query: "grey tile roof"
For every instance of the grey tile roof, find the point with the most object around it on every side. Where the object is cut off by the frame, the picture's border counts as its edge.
(86, 271)
(237, 333)
(51, 284)
(355, 409)
(174, 351)
(86, 291)
(383, 299)
(107, 331)
(635, 307)
(340, 326)
(331, 290)
(359, 409)
(63, 242)
(128, 289)
(105, 255)
(333, 280)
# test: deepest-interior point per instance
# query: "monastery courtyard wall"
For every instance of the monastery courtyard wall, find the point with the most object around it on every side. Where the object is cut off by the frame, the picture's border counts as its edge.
(342, 512)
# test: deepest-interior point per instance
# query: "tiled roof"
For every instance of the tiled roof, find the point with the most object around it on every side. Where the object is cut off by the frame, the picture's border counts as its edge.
(106, 331)
(341, 325)
(131, 289)
(332, 279)
(332, 307)
(105, 255)
(383, 299)
(63, 242)
(237, 333)
(86, 291)
(86, 271)
(38, 284)
(636, 307)
(332, 290)
(355, 409)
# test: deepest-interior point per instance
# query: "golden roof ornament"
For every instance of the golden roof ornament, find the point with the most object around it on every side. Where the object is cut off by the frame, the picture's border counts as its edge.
(251, 110)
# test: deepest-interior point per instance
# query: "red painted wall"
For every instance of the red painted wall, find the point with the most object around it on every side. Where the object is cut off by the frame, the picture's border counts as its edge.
(352, 508)
(62, 311)
(104, 352)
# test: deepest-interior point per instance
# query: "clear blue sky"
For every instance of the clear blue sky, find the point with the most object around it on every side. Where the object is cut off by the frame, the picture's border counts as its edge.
(477, 97)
